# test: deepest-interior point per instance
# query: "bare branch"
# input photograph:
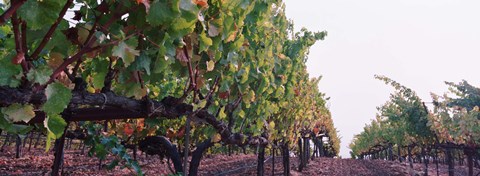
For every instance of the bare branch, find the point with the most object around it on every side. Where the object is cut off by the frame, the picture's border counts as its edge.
(109, 77)
(10, 11)
(210, 92)
(24, 38)
(52, 29)
(190, 69)
(228, 136)
(84, 50)
(18, 43)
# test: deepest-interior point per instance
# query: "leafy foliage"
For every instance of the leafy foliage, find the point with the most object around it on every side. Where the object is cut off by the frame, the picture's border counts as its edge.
(58, 97)
(456, 119)
(404, 120)
(18, 112)
(233, 62)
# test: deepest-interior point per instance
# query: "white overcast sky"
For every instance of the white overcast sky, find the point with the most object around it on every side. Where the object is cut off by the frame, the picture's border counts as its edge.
(419, 43)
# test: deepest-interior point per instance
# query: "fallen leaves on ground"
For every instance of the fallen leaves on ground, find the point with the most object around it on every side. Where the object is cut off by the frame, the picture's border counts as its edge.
(38, 162)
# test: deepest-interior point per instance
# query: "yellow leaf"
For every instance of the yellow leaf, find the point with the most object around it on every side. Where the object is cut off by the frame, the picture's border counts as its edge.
(216, 138)
(18, 112)
(272, 125)
(231, 37)
(221, 114)
(199, 105)
(91, 89)
(210, 65)
(140, 93)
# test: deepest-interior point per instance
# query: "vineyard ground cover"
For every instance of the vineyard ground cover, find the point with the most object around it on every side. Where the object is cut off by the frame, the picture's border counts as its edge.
(38, 162)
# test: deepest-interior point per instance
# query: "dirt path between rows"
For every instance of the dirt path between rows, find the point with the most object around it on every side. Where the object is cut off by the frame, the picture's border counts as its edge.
(38, 162)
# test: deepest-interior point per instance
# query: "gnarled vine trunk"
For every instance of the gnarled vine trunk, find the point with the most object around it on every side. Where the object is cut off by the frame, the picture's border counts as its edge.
(261, 158)
(273, 160)
(300, 154)
(450, 162)
(469, 153)
(286, 159)
(410, 159)
(159, 145)
(197, 156)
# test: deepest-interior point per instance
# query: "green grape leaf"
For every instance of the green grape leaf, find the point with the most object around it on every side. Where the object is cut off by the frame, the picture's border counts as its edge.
(228, 27)
(200, 105)
(13, 128)
(161, 63)
(264, 84)
(4, 123)
(59, 37)
(214, 28)
(58, 97)
(243, 74)
(100, 71)
(138, 18)
(187, 6)
(5, 30)
(40, 75)
(205, 42)
(48, 143)
(161, 12)
(55, 124)
(39, 14)
(280, 91)
(100, 151)
(258, 127)
(9, 72)
(181, 27)
(17, 112)
(126, 52)
(98, 80)
(142, 63)
(133, 90)
(20, 129)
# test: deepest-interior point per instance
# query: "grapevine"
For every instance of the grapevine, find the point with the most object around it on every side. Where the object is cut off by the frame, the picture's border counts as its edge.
(156, 73)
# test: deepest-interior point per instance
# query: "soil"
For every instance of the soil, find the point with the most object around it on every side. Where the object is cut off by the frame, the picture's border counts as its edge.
(38, 162)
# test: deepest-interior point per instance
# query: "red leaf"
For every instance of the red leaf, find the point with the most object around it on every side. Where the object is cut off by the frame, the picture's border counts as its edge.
(181, 55)
(202, 3)
(18, 58)
(140, 124)
(127, 129)
(170, 133)
(224, 95)
(181, 132)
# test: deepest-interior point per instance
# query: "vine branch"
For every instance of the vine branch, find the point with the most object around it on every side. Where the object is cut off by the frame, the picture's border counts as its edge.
(84, 50)
(10, 11)
(52, 29)
(20, 57)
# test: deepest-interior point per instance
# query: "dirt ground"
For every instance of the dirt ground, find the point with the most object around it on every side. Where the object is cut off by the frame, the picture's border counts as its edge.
(38, 162)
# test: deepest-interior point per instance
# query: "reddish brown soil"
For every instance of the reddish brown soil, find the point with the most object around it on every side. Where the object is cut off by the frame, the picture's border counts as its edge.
(38, 162)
